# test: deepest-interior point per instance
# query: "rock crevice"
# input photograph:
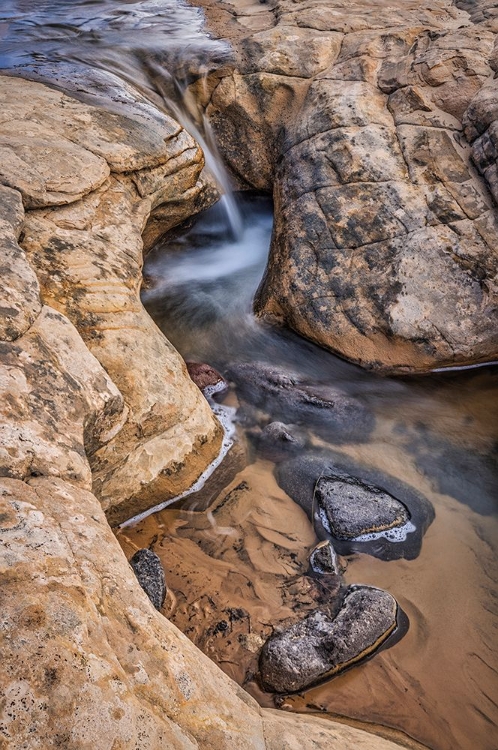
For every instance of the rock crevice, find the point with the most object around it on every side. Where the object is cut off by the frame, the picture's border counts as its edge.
(94, 397)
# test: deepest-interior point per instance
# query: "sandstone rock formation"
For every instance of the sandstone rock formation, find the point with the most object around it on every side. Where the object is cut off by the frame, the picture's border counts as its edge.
(90, 197)
(88, 662)
(94, 396)
(384, 247)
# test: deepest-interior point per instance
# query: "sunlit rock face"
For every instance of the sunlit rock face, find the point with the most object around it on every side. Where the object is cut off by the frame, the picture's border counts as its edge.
(384, 247)
(89, 180)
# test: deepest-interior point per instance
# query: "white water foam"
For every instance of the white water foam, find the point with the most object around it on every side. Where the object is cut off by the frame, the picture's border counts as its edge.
(394, 535)
(397, 534)
(226, 417)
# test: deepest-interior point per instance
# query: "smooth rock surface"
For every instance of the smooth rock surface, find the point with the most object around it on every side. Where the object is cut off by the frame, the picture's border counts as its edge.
(384, 243)
(150, 574)
(325, 643)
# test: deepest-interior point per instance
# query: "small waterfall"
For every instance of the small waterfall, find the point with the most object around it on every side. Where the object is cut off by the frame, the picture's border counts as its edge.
(159, 47)
(180, 102)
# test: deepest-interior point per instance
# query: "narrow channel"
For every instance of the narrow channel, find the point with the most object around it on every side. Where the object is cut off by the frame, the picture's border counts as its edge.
(435, 433)
(237, 573)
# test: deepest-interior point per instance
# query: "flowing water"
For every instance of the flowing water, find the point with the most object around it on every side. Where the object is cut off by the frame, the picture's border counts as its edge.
(436, 433)
(235, 569)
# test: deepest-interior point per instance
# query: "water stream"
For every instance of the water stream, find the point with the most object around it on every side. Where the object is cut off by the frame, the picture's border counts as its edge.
(437, 433)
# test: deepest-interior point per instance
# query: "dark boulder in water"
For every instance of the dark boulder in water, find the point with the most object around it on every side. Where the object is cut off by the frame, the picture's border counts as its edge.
(327, 642)
(284, 395)
(150, 574)
(360, 509)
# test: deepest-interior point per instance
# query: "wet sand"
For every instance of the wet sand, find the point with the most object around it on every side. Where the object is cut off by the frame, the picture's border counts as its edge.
(236, 571)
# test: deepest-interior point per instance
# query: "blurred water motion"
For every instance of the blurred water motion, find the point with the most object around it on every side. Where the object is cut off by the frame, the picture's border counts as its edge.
(199, 288)
(438, 433)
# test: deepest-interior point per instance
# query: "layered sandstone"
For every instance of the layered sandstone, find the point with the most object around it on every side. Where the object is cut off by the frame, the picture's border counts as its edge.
(384, 247)
(91, 179)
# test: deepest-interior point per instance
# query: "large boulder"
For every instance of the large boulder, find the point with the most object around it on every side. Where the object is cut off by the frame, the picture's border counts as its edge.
(384, 246)
(326, 643)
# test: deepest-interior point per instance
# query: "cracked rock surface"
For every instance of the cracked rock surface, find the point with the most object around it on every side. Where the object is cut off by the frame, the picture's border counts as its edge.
(384, 245)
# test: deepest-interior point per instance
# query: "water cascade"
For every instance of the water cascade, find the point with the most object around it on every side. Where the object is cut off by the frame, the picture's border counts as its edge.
(300, 414)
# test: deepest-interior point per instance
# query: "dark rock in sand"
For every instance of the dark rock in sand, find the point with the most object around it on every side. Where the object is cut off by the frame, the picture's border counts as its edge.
(350, 508)
(325, 568)
(325, 643)
(324, 560)
(150, 574)
(284, 395)
(360, 509)
(278, 441)
(205, 376)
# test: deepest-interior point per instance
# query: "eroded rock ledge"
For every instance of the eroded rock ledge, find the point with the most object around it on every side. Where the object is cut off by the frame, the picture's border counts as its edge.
(384, 246)
(94, 397)
(119, 394)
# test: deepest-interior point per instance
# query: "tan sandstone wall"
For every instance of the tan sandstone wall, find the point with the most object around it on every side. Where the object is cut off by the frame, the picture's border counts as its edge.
(374, 125)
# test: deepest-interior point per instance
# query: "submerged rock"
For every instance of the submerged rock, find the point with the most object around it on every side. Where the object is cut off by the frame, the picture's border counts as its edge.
(278, 441)
(149, 571)
(205, 376)
(360, 509)
(350, 508)
(283, 394)
(322, 645)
